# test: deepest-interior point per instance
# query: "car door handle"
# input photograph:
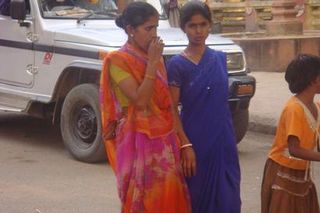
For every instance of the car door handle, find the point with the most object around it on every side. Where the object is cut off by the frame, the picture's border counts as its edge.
(31, 70)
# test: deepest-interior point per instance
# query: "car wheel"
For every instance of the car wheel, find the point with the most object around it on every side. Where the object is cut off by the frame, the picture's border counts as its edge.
(81, 124)
(240, 122)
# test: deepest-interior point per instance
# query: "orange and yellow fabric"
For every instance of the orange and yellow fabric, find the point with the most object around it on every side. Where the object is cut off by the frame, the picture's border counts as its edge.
(293, 121)
(145, 153)
(117, 75)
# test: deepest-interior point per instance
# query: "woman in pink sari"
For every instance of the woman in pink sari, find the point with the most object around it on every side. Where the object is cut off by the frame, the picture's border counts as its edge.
(137, 119)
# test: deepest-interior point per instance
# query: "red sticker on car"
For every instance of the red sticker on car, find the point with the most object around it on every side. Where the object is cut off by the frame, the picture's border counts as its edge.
(47, 58)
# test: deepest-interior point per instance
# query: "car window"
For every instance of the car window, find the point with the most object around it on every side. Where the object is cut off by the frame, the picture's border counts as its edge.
(78, 8)
(84, 9)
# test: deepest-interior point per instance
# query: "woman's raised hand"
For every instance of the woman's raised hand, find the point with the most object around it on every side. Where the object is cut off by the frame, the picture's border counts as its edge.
(155, 50)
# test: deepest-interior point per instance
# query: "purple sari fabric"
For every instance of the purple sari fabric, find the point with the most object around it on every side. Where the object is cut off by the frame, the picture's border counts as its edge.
(207, 121)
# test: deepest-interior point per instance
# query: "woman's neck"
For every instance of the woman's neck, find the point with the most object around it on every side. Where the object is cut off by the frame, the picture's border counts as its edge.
(194, 53)
(306, 97)
(136, 46)
(195, 49)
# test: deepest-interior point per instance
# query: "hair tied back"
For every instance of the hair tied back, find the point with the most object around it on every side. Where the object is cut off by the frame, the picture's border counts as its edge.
(119, 21)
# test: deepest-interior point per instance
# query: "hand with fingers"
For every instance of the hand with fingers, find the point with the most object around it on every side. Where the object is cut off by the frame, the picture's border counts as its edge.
(188, 160)
(155, 49)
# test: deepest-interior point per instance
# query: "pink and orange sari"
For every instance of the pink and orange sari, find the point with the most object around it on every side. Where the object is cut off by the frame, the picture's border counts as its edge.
(145, 152)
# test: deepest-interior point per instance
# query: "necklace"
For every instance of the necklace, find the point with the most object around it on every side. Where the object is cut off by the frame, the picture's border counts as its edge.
(194, 58)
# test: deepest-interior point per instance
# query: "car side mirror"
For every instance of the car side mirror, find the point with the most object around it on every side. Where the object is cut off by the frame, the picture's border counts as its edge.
(18, 9)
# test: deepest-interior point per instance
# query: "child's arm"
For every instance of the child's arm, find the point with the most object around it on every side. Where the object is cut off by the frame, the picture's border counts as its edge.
(296, 151)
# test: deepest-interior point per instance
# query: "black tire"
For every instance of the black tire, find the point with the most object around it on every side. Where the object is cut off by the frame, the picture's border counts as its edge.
(240, 123)
(81, 124)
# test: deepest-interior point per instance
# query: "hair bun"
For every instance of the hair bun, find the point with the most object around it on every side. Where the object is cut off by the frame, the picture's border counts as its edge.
(135, 14)
(119, 21)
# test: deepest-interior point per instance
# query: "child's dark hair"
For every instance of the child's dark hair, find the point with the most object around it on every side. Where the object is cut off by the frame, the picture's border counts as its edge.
(192, 8)
(136, 14)
(301, 71)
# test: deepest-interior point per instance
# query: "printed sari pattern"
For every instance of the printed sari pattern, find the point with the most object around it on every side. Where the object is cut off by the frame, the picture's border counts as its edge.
(145, 152)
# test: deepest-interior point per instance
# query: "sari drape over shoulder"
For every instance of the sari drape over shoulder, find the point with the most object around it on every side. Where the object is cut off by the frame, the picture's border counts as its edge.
(145, 152)
(206, 119)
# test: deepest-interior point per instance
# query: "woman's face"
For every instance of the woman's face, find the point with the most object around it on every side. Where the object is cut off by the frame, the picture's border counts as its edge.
(142, 35)
(197, 29)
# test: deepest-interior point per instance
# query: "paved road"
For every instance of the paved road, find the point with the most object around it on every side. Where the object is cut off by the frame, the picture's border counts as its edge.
(37, 175)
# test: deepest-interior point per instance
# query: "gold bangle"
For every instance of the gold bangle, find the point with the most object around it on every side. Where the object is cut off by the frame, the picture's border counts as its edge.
(150, 77)
(185, 145)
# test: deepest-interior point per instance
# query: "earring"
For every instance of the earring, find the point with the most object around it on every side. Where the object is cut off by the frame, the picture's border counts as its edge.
(131, 35)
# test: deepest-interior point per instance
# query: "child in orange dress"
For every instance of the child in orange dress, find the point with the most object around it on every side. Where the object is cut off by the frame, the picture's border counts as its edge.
(287, 185)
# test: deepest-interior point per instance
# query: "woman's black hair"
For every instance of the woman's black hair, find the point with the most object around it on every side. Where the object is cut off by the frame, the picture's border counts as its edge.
(301, 71)
(192, 8)
(136, 14)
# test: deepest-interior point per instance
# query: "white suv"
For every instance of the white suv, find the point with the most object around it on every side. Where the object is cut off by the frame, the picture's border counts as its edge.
(50, 62)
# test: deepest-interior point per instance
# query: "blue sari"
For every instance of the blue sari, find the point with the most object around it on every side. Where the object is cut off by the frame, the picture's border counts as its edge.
(207, 121)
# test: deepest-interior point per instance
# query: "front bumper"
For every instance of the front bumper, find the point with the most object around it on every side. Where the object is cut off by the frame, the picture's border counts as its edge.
(241, 90)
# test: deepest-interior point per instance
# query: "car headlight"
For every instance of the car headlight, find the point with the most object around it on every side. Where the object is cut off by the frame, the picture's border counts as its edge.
(235, 62)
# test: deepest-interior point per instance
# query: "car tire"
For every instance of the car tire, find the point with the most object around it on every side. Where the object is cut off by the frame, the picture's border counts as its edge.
(81, 124)
(240, 123)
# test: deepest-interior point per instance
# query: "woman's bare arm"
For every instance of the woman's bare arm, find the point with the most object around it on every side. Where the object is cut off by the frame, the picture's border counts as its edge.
(175, 94)
(140, 95)
(296, 151)
(188, 157)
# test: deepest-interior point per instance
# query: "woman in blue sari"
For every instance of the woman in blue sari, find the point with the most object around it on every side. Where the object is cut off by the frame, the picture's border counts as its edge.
(198, 80)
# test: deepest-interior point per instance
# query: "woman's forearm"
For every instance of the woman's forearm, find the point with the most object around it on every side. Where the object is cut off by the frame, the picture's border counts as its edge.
(297, 151)
(304, 154)
(178, 125)
(145, 90)
(140, 94)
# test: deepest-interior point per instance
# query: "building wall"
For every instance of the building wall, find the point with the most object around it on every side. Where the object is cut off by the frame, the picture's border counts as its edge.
(273, 54)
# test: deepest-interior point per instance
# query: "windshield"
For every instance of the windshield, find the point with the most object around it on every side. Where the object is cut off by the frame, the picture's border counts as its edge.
(87, 9)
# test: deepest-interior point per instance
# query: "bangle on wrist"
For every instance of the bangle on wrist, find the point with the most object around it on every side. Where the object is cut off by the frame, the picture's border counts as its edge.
(150, 77)
(186, 145)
